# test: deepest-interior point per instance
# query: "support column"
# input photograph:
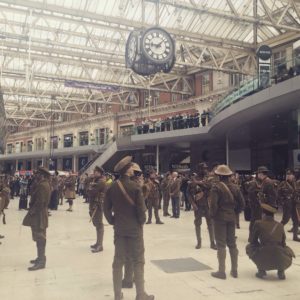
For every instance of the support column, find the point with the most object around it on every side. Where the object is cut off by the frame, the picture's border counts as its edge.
(157, 158)
(17, 162)
(227, 150)
(75, 164)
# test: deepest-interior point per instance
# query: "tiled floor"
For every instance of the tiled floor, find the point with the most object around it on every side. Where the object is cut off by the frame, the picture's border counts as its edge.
(74, 273)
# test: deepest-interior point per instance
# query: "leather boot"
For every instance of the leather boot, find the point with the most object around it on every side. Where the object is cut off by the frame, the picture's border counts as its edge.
(221, 258)
(117, 281)
(234, 262)
(158, 221)
(127, 282)
(34, 261)
(144, 296)
(212, 237)
(99, 243)
(281, 275)
(261, 274)
(41, 262)
(120, 297)
(198, 236)
(149, 216)
(295, 234)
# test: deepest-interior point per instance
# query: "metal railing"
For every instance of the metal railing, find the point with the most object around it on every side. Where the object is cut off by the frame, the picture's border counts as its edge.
(279, 73)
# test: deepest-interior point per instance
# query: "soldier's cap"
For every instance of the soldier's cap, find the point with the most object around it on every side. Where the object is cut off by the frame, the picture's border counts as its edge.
(43, 171)
(136, 167)
(223, 170)
(262, 169)
(123, 163)
(99, 169)
(268, 207)
(203, 165)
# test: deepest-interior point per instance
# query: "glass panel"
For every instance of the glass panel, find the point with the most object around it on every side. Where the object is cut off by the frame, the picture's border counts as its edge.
(68, 140)
(83, 138)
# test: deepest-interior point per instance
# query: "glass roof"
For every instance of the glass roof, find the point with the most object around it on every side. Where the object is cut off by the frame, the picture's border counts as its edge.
(44, 42)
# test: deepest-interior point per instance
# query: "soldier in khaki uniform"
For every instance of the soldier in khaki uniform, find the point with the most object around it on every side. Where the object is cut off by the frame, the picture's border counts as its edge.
(165, 188)
(37, 216)
(267, 248)
(199, 190)
(253, 188)
(224, 198)
(96, 191)
(128, 280)
(69, 191)
(259, 191)
(4, 199)
(152, 197)
(124, 207)
(288, 196)
(175, 195)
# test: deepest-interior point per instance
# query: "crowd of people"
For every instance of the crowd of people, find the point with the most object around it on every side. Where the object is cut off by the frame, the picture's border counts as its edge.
(218, 195)
(178, 121)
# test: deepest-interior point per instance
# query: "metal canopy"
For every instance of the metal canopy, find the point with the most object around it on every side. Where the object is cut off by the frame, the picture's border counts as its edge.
(45, 42)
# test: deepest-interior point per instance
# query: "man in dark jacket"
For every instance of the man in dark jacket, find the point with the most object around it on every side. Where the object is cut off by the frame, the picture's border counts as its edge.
(225, 197)
(124, 208)
(37, 216)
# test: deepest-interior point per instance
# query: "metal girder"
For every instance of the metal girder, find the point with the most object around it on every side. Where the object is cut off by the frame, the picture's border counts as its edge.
(296, 8)
(207, 60)
(48, 10)
(230, 4)
(227, 15)
(94, 48)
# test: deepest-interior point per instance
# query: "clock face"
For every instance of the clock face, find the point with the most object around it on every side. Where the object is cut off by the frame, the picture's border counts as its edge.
(158, 46)
(131, 49)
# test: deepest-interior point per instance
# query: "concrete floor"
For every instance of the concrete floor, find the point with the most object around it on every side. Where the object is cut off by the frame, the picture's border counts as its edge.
(74, 273)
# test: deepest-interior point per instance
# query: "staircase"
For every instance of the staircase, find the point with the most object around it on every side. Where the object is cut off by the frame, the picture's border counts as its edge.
(113, 153)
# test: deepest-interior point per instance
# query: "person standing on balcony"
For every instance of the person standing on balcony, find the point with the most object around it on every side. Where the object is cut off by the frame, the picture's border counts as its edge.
(96, 191)
(69, 190)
